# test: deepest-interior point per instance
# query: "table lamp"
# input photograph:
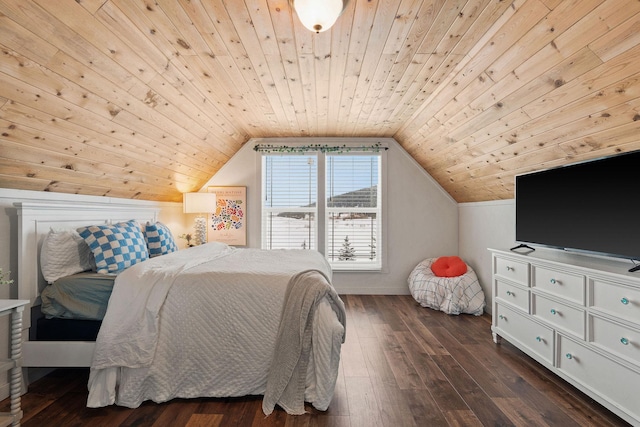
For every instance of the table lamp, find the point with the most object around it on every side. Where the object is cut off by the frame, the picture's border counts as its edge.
(201, 204)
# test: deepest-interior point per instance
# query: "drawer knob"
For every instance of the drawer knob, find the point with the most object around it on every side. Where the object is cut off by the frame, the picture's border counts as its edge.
(539, 339)
(625, 301)
(502, 317)
(509, 293)
(553, 281)
(509, 268)
(553, 311)
(624, 341)
(569, 356)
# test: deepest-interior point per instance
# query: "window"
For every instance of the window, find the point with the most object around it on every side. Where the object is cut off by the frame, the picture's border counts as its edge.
(327, 202)
(352, 210)
(289, 201)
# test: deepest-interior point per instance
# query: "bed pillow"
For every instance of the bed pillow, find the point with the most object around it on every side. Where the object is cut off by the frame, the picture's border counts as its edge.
(115, 247)
(159, 239)
(63, 253)
(449, 266)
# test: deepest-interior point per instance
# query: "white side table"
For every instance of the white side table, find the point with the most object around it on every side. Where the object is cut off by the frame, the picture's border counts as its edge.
(13, 307)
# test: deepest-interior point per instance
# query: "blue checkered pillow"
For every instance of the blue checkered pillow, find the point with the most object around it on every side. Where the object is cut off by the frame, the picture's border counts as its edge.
(115, 247)
(159, 239)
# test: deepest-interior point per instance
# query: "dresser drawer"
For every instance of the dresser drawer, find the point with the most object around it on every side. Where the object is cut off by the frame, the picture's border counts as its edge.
(565, 285)
(617, 299)
(515, 271)
(513, 295)
(600, 375)
(616, 338)
(559, 314)
(528, 333)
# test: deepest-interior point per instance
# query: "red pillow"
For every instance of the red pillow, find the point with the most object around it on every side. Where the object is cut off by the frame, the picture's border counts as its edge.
(449, 266)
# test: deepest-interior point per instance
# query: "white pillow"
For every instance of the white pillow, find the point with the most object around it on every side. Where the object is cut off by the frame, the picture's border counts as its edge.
(64, 253)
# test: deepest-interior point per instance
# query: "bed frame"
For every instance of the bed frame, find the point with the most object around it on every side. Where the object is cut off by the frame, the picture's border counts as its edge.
(34, 222)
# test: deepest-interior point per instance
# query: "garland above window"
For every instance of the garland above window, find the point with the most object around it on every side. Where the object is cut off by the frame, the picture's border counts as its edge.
(339, 149)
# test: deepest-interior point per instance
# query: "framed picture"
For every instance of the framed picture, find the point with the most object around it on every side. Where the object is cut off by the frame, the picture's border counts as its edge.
(228, 224)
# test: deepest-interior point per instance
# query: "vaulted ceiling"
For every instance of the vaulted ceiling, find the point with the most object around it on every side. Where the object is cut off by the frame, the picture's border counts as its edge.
(148, 99)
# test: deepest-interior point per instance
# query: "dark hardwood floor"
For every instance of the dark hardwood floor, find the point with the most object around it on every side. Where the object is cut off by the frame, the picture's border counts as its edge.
(402, 365)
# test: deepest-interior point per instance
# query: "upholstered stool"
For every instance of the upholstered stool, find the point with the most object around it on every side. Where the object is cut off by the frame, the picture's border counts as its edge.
(447, 284)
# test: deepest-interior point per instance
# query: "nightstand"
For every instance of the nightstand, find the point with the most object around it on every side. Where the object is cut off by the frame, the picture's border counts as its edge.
(14, 308)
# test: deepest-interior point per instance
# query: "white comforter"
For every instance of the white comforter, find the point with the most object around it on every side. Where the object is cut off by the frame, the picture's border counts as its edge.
(203, 322)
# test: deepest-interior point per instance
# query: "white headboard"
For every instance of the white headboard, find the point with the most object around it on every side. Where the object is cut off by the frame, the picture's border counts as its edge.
(35, 220)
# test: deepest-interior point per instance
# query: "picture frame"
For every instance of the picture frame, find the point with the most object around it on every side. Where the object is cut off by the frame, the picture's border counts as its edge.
(228, 224)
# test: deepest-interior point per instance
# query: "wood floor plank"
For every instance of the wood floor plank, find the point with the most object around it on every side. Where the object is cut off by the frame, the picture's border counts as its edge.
(392, 409)
(442, 391)
(184, 414)
(467, 328)
(363, 407)
(423, 408)
(237, 411)
(352, 359)
(412, 319)
(145, 415)
(477, 400)
(489, 383)
(403, 371)
(330, 421)
(357, 318)
(519, 414)
(371, 308)
(402, 365)
(202, 420)
(464, 418)
(64, 410)
(388, 311)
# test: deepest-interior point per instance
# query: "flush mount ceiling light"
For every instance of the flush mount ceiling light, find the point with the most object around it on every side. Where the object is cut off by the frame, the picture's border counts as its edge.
(318, 15)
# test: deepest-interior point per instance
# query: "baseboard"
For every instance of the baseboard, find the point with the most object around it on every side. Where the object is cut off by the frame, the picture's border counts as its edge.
(4, 391)
(32, 375)
(29, 375)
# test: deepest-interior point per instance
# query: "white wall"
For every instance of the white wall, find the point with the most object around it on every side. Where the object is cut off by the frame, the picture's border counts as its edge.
(485, 225)
(422, 219)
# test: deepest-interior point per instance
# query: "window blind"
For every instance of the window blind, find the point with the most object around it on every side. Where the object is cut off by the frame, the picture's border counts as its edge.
(289, 208)
(353, 211)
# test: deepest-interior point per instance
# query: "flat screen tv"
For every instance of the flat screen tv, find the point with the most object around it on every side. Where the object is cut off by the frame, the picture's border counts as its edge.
(592, 206)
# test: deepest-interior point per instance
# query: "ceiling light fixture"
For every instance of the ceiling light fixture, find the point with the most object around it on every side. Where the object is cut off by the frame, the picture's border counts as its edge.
(319, 15)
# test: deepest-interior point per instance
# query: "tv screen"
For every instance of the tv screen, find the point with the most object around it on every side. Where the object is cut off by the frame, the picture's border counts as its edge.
(592, 206)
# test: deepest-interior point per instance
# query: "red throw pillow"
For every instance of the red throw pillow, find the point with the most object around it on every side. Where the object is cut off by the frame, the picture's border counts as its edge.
(449, 266)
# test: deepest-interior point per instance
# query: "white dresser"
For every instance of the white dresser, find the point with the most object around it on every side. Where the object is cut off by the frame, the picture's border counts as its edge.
(577, 315)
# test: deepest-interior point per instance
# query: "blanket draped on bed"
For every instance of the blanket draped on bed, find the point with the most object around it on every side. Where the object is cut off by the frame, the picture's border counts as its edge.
(287, 376)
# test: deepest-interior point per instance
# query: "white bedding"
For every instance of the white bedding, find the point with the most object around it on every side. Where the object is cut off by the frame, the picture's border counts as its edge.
(203, 322)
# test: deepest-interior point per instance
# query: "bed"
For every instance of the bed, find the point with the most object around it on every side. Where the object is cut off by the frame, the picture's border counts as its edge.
(208, 321)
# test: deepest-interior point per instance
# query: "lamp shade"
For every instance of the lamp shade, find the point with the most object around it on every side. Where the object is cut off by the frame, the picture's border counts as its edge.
(319, 15)
(198, 202)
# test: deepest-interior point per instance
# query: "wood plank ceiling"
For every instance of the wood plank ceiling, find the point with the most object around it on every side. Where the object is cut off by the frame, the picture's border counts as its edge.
(148, 99)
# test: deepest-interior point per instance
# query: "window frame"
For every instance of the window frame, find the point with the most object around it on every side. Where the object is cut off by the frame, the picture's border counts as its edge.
(346, 265)
(321, 214)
